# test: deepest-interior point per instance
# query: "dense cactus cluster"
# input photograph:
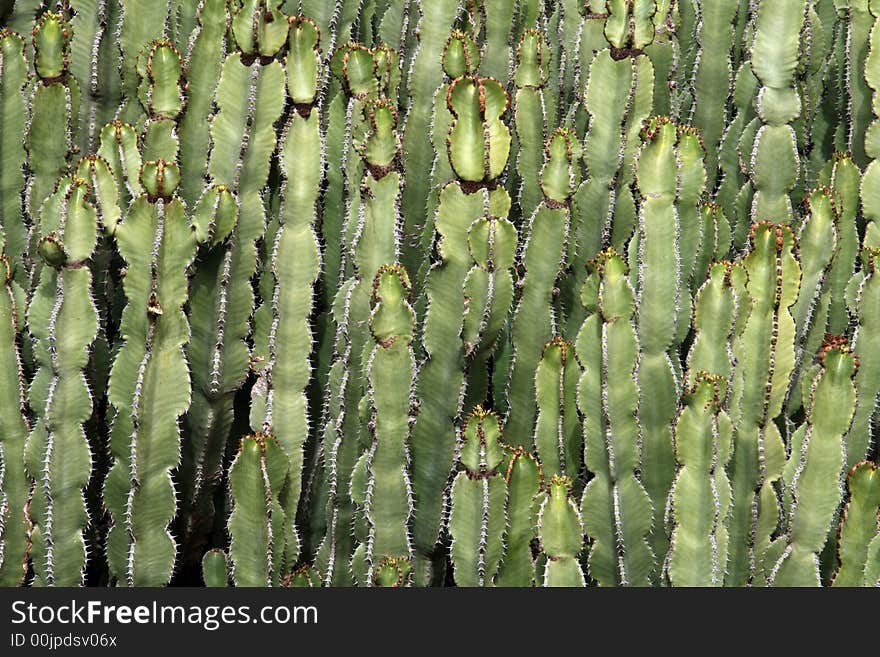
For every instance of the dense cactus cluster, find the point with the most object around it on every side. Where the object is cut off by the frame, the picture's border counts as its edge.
(402, 292)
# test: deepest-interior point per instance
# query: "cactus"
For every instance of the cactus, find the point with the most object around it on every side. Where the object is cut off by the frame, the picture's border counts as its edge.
(477, 518)
(616, 509)
(537, 317)
(15, 524)
(390, 370)
(276, 273)
(525, 479)
(701, 491)
(13, 117)
(63, 320)
(859, 528)
(765, 355)
(814, 474)
(257, 523)
(560, 532)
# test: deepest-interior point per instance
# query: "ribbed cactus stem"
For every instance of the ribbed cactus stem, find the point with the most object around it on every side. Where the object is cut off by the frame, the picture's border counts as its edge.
(13, 119)
(149, 382)
(765, 356)
(557, 429)
(525, 480)
(53, 104)
(15, 485)
(701, 491)
(814, 473)
(616, 509)
(543, 257)
(561, 534)
(257, 525)
(63, 321)
(866, 341)
(775, 163)
(390, 372)
(249, 97)
(279, 400)
(376, 243)
(859, 528)
(532, 71)
(478, 145)
(477, 519)
(662, 300)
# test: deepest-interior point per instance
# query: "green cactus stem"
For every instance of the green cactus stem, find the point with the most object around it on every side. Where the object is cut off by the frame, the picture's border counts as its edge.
(544, 254)
(662, 301)
(15, 486)
(774, 159)
(424, 76)
(765, 354)
(701, 491)
(561, 534)
(859, 528)
(477, 518)
(222, 300)
(149, 382)
(54, 105)
(525, 480)
(215, 569)
(557, 429)
(814, 473)
(390, 371)
(867, 380)
(63, 321)
(203, 60)
(257, 523)
(616, 509)
(13, 119)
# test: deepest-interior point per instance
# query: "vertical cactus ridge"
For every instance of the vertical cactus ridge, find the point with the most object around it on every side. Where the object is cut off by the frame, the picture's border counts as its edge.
(561, 534)
(843, 177)
(54, 105)
(713, 76)
(257, 522)
(701, 491)
(616, 509)
(525, 480)
(141, 22)
(94, 61)
(557, 428)
(376, 242)
(543, 256)
(424, 76)
(15, 485)
(718, 309)
(532, 71)
(817, 246)
(662, 299)
(150, 381)
(390, 372)
(63, 322)
(859, 439)
(13, 119)
(765, 354)
(478, 518)
(859, 528)
(222, 300)
(278, 397)
(204, 56)
(814, 474)
(774, 58)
